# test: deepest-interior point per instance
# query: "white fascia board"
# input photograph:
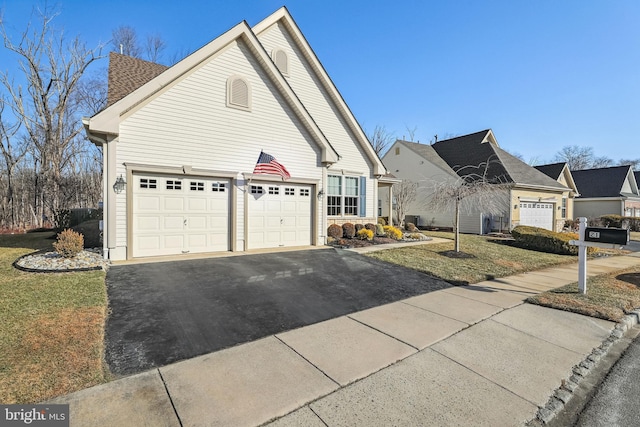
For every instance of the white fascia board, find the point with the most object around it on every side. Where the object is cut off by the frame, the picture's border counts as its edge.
(541, 187)
(283, 15)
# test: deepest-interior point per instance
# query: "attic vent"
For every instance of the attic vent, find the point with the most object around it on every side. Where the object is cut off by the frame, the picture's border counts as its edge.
(281, 60)
(238, 93)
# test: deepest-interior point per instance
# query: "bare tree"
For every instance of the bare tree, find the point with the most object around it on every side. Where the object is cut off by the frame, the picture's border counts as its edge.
(411, 132)
(12, 154)
(475, 190)
(47, 109)
(576, 157)
(635, 163)
(601, 162)
(380, 139)
(154, 48)
(125, 41)
(404, 193)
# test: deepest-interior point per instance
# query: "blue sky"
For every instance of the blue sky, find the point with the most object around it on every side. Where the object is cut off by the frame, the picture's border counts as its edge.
(542, 74)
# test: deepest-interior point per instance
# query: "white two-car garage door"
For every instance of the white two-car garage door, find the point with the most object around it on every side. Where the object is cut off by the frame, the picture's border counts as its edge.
(179, 214)
(537, 214)
(279, 215)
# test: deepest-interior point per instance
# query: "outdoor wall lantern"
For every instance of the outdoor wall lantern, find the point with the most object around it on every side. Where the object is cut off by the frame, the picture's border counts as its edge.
(119, 185)
(320, 194)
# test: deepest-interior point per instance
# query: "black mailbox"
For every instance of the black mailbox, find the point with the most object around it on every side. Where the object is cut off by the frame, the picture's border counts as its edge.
(616, 236)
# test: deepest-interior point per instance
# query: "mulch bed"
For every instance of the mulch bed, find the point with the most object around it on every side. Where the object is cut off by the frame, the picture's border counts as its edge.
(357, 243)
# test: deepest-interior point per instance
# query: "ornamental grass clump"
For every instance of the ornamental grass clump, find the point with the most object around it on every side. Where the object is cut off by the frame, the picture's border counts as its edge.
(68, 244)
(392, 232)
(364, 234)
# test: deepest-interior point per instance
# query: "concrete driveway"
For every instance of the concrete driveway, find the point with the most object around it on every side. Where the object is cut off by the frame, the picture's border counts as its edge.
(164, 312)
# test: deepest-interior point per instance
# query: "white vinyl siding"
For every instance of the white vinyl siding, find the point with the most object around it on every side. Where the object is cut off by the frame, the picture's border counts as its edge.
(310, 91)
(190, 124)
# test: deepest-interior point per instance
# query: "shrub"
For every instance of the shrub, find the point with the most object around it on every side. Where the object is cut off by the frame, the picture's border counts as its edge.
(348, 230)
(379, 230)
(334, 231)
(370, 226)
(364, 234)
(540, 239)
(612, 220)
(69, 243)
(382, 221)
(359, 227)
(411, 227)
(392, 232)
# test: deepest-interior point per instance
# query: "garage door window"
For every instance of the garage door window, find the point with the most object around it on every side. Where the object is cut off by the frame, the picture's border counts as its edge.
(197, 186)
(257, 189)
(174, 185)
(274, 190)
(218, 187)
(148, 183)
(304, 192)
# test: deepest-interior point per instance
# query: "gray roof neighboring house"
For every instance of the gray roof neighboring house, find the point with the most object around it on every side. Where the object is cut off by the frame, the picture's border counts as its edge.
(552, 170)
(601, 182)
(127, 74)
(472, 153)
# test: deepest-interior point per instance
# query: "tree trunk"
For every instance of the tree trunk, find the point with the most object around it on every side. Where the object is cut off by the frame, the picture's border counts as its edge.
(457, 227)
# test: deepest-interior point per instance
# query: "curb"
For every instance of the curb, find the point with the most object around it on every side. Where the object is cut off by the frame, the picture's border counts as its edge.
(564, 393)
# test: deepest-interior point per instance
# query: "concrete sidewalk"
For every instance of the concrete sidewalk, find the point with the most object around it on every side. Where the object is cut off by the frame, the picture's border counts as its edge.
(472, 355)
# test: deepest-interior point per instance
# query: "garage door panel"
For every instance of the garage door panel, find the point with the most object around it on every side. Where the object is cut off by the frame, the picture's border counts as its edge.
(280, 217)
(537, 214)
(170, 218)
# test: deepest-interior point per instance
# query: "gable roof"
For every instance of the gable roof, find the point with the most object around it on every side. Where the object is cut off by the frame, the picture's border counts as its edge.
(105, 124)
(127, 74)
(552, 170)
(601, 182)
(472, 153)
(428, 153)
(283, 16)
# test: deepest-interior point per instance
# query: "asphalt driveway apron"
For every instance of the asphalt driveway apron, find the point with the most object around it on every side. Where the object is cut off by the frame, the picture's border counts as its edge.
(161, 313)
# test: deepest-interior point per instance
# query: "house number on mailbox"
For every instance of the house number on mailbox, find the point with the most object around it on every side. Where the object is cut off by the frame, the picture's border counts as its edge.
(594, 234)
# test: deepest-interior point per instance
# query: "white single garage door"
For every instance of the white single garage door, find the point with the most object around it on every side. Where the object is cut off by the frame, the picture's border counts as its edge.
(279, 215)
(179, 214)
(537, 214)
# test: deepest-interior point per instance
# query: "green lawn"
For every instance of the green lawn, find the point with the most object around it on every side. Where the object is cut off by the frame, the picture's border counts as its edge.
(490, 259)
(51, 326)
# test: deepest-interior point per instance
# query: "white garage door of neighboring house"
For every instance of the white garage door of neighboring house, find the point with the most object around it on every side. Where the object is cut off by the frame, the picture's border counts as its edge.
(179, 214)
(279, 215)
(537, 214)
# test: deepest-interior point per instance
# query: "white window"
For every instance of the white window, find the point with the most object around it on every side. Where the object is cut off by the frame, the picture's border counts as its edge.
(288, 191)
(257, 189)
(627, 212)
(281, 60)
(304, 192)
(379, 207)
(238, 93)
(274, 190)
(343, 195)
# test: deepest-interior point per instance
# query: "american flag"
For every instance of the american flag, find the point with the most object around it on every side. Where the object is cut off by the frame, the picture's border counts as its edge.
(267, 164)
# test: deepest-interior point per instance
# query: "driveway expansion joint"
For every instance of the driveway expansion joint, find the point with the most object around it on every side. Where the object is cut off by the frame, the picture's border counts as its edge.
(175, 411)
(307, 360)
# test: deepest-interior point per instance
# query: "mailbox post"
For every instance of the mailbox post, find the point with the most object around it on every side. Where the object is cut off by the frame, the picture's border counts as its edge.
(598, 237)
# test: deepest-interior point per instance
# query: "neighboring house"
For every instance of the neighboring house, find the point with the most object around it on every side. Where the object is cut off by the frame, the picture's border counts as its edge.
(561, 173)
(535, 199)
(183, 143)
(606, 191)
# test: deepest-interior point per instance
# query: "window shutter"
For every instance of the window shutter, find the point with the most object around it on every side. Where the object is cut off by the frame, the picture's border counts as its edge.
(363, 196)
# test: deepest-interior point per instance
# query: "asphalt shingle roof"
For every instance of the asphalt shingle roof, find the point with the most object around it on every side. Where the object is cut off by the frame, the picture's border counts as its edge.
(127, 74)
(469, 154)
(601, 182)
(552, 170)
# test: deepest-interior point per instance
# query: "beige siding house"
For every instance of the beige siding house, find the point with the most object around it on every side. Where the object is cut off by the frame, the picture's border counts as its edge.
(535, 198)
(183, 143)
